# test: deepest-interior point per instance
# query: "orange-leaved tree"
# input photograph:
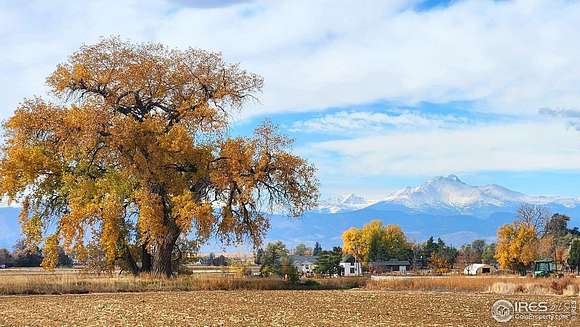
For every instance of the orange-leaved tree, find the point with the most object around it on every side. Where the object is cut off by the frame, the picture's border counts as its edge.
(376, 242)
(136, 152)
(516, 246)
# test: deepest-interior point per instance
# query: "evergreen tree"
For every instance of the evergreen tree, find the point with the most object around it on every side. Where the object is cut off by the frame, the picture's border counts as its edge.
(488, 255)
(317, 249)
(557, 226)
(574, 257)
(259, 256)
(287, 269)
(272, 259)
(328, 263)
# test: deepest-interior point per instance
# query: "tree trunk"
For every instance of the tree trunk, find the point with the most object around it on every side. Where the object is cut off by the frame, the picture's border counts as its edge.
(145, 259)
(131, 261)
(162, 265)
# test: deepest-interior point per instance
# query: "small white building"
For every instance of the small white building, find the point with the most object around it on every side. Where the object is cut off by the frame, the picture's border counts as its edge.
(351, 268)
(478, 269)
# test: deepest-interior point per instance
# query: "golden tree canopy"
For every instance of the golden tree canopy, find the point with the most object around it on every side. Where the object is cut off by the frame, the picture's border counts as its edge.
(375, 242)
(517, 246)
(136, 147)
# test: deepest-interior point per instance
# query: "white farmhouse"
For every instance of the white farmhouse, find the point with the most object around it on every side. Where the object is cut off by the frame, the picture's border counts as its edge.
(304, 264)
(351, 267)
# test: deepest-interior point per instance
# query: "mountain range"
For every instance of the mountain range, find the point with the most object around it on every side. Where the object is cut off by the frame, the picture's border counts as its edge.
(443, 207)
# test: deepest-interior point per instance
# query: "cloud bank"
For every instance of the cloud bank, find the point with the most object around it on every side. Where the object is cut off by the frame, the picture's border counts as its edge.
(511, 57)
(515, 147)
(323, 59)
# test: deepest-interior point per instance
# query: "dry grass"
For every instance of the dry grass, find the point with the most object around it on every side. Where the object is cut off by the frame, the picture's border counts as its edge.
(84, 283)
(563, 286)
(73, 282)
(499, 285)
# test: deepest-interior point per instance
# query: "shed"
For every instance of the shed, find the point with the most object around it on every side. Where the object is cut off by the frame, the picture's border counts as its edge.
(478, 269)
(392, 265)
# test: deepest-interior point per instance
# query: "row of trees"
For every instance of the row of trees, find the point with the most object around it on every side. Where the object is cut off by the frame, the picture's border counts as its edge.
(302, 249)
(94, 258)
(276, 260)
(22, 256)
(537, 234)
(377, 242)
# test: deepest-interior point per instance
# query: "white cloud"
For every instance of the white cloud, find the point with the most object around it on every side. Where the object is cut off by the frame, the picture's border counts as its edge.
(572, 117)
(526, 146)
(512, 57)
(508, 57)
(365, 122)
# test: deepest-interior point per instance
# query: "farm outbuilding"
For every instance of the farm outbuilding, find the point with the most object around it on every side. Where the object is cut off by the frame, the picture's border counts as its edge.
(478, 269)
(390, 266)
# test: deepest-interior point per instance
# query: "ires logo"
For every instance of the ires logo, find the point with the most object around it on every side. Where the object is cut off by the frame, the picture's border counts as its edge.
(504, 311)
(530, 307)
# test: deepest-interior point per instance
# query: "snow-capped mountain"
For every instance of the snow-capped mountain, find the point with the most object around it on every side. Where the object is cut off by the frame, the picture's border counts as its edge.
(452, 193)
(448, 194)
(349, 202)
(444, 207)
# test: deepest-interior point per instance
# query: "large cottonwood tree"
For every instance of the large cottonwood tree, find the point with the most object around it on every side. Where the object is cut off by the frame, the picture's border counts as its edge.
(376, 242)
(135, 150)
(517, 246)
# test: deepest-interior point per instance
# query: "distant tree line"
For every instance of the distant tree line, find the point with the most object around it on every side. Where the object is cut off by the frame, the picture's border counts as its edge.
(537, 234)
(213, 260)
(374, 242)
(26, 256)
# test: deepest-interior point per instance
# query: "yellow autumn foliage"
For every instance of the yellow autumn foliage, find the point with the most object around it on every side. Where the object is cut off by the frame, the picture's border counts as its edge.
(136, 150)
(375, 241)
(50, 253)
(517, 246)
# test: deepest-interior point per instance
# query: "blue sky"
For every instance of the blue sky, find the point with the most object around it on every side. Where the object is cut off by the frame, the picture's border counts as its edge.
(377, 94)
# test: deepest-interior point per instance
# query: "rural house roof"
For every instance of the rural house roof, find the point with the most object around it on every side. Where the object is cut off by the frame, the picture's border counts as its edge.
(303, 259)
(391, 262)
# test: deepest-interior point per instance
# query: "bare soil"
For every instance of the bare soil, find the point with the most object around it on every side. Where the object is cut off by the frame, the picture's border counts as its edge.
(267, 308)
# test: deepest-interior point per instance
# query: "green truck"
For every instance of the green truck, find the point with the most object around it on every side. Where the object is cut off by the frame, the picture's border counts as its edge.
(544, 268)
